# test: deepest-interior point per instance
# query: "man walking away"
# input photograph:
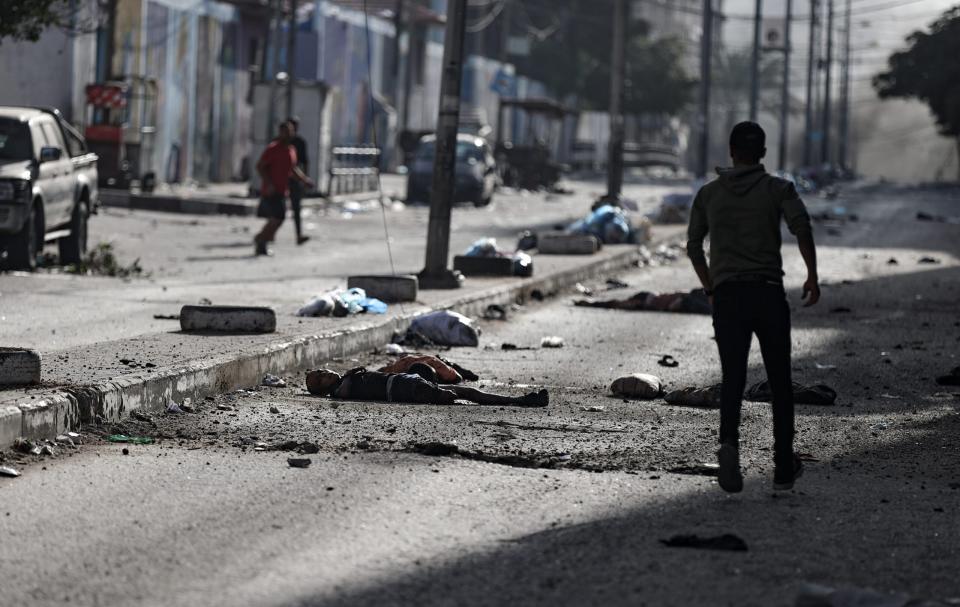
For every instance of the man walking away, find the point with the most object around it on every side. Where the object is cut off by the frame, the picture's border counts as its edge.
(741, 211)
(296, 186)
(276, 167)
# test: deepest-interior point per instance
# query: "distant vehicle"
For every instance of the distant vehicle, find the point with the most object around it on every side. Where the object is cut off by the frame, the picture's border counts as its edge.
(476, 171)
(48, 186)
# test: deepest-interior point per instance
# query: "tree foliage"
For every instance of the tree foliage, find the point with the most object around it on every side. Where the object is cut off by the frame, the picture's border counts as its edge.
(575, 60)
(26, 20)
(929, 70)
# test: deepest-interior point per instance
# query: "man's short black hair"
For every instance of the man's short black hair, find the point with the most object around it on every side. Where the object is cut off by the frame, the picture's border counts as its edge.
(748, 141)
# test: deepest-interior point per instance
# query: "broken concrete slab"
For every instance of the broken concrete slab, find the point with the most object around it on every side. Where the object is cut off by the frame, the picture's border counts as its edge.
(567, 244)
(228, 319)
(19, 367)
(390, 289)
(11, 424)
(483, 266)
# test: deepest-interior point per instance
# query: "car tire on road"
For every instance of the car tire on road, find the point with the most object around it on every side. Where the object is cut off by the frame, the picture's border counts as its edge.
(22, 247)
(73, 247)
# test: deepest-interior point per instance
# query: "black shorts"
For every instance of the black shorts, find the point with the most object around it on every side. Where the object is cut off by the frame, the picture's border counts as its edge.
(407, 388)
(272, 207)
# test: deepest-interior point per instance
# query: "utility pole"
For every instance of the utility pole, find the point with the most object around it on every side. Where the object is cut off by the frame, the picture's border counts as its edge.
(844, 130)
(397, 34)
(811, 65)
(436, 275)
(291, 55)
(618, 73)
(755, 61)
(785, 91)
(273, 52)
(828, 86)
(706, 54)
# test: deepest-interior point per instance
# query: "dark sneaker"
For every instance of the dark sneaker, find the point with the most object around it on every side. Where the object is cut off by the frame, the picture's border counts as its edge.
(260, 248)
(535, 399)
(730, 478)
(783, 478)
(302, 239)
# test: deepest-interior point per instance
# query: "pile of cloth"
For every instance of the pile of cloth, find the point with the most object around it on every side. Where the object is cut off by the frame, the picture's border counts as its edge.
(608, 223)
(440, 328)
(487, 247)
(340, 302)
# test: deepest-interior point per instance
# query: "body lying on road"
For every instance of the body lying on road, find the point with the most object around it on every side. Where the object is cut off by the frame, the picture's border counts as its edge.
(361, 384)
(694, 302)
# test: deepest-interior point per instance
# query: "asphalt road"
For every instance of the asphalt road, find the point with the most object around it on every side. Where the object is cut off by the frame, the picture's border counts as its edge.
(570, 504)
(187, 258)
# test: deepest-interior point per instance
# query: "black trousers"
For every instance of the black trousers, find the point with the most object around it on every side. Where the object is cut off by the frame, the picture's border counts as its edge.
(296, 197)
(741, 309)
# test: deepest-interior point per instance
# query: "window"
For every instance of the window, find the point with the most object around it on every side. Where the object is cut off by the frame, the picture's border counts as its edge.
(52, 133)
(15, 143)
(75, 144)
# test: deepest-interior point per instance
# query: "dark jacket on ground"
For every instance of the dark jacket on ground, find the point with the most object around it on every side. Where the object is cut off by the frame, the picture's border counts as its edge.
(741, 211)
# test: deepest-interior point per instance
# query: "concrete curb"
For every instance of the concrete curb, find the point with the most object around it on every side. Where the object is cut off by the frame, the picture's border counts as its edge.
(43, 417)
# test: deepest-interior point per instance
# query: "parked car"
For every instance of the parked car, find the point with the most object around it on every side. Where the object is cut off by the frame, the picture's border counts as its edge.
(476, 171)
(48, 186)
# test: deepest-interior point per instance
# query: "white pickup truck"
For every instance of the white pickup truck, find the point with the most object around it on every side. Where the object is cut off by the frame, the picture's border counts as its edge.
(48, 187)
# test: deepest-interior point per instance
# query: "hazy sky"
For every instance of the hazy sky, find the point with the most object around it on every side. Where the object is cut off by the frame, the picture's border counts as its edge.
(878, 28)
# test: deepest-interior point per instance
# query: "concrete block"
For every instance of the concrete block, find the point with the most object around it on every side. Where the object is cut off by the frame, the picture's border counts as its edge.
(49, 416)
(11, 424)
(19, 367)
(567, 244)
(483, 266)
(402, 287)
(228, 319)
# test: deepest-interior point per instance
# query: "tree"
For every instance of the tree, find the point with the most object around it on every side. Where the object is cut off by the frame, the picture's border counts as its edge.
(575, 60)
(928, 70)
(27, 19)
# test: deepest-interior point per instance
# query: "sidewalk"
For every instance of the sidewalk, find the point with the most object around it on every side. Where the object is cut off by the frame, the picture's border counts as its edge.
(224, 198)
(112, 379)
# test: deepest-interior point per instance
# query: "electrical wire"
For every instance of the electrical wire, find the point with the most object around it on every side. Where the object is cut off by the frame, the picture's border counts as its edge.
(485, 22)
(376, 144)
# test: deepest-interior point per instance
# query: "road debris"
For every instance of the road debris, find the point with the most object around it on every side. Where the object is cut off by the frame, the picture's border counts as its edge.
(840, 310)
(8, 471)
(615, 283)
(495, 312)
(394, 350)
(166, 317)
(133, 440)
(637, 385)
(299, 462)
(173, 408)
(509, 346)
(668, 361)
(442, 327)
(593, 408)
(342, 302)
(101, 260)
(928, 260)
(272, 381)
(551, 341)
(727, 541)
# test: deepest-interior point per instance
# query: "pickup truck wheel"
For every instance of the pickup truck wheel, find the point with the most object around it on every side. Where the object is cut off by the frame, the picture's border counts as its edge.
(22, 248)
(73, 247)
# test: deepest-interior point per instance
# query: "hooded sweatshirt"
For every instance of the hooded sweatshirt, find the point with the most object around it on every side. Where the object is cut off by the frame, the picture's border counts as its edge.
(741, 211)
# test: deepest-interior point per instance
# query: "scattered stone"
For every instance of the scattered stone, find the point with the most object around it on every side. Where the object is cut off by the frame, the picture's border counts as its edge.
(224, 408)
(593, 408)
(637, 385)
(274, 410)
(299, 462)
(552, 341)
(272, 381)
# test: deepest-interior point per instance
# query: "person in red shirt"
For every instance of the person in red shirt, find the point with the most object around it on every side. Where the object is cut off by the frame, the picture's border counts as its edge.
(276, 167)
